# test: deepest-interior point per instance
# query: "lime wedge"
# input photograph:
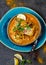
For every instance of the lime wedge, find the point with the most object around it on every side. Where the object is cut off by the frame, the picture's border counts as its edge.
(16, 61)
(21, 16)
(18, 56)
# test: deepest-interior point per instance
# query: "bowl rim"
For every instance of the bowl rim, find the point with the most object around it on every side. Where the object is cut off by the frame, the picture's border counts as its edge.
(30, 42)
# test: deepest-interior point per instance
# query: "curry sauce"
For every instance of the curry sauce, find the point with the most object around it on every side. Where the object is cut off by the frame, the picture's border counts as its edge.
(23, 32)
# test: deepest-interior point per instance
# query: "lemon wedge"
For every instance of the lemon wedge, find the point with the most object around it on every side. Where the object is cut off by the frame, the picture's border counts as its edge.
(18, 56)
(21, 16)
(16, 61)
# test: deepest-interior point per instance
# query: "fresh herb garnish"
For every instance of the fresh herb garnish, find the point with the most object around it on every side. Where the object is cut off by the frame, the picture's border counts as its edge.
(14, 29)
(20, 20)
(28, 27)
(21, 29)
(18, 26)
(29, 61)
(23, 62)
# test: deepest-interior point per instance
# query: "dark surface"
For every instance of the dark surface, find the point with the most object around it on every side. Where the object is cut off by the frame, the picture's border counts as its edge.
(6, 54)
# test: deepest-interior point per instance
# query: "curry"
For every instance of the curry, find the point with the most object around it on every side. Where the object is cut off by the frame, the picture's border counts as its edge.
(24, 29)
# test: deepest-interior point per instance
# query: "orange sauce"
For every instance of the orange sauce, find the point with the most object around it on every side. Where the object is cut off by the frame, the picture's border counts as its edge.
(25, 40)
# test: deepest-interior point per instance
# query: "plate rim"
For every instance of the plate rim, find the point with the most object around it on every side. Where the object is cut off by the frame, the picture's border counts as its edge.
(28, 9)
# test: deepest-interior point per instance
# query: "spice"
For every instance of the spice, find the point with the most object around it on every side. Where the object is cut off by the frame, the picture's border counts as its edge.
(21, 4)
(40, 60)
(14, 5)
(11, 3)
(44, 48)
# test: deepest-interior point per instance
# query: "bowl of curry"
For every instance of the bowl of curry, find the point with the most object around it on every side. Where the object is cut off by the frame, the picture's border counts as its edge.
(23, 29)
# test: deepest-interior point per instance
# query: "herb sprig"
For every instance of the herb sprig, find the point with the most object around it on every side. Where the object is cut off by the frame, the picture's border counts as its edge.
(19, 27)
(24, 61)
